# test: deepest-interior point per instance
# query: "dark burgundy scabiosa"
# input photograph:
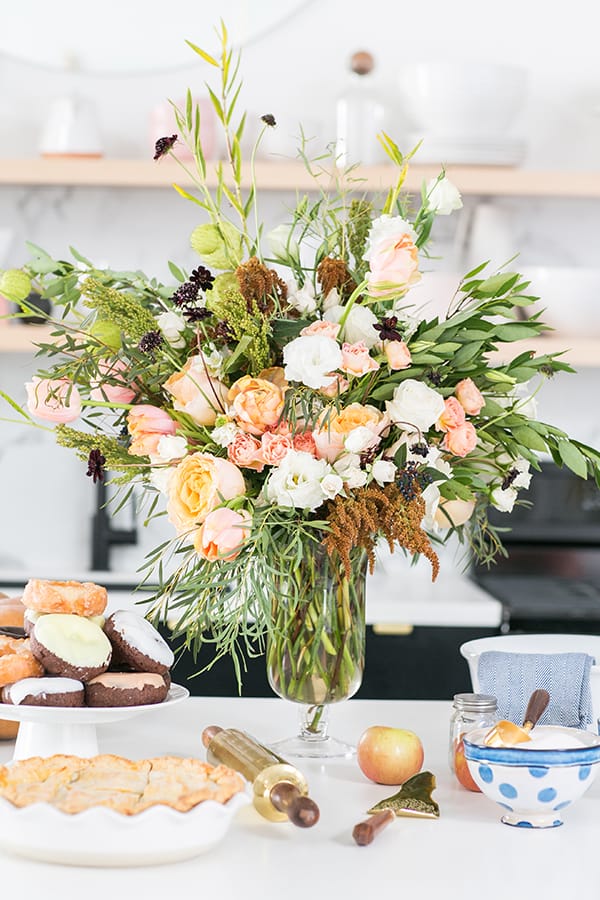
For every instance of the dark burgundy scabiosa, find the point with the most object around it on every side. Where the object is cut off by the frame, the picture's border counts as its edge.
(163, 145)
(203, 278)
(186, 295)
(421, 448)
(387, 329)
(196, 314)
(223, 331)
(269, 119)
(96, 463)
(150, 342)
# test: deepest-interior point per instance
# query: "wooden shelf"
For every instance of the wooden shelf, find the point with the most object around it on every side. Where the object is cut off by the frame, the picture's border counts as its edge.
(289, 176)
(580, 351)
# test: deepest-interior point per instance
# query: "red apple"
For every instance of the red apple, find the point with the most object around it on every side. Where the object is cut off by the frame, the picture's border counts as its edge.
(389, 755)
(461, 768)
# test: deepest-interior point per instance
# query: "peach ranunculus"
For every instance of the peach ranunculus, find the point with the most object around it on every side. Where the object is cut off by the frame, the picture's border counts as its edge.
(363, 423)
(256, 404)
(469, 396)
(53, 399)
(275, 447)
(397, 355)
(118, 392)
(452, 417)
(200, 483)
(305, 442)
(245, 451)
(222, 534)
(338, 386)
(325, 329)
(146, 425)
(460, 440)
(356, 359)
(197, 394)
(393, 256)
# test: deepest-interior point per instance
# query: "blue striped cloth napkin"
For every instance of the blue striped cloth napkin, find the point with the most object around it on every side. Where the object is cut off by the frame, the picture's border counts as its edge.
(512, 678)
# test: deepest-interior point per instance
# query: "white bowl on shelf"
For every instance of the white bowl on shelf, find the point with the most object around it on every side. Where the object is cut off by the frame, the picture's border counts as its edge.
(569, 296)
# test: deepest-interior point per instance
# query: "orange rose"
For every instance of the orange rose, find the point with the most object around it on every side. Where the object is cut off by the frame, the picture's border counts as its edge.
(199, 484)
(256, 404)
(146, 425)
(275, 447)
(325, 329)
(245, 451)
(460, 440)
(469, 396)
(356, 359)
(223, 533)
(335, 428)
(397, 355)
(194, 393)
(452, 416)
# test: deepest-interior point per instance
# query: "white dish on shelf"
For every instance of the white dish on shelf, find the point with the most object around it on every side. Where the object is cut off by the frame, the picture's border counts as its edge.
(46, 730)
(103, 837)
(476, 151)
(569, 296)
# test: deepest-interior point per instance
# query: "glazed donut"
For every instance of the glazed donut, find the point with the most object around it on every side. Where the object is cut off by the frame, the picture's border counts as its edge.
(12, 611)
(17, 661)
(79, 598)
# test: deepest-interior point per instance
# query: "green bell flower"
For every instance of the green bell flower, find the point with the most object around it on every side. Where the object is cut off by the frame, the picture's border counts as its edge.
(219, 246)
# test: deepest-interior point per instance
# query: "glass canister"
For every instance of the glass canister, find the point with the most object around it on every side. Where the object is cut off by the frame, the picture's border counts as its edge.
(468, 711)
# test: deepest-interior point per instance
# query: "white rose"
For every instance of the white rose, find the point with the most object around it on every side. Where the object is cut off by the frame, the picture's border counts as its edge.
(387, 230)
(383, 471)
(296, 482)
(282, 245)
(358, 325)
(311, 360)
(301, 298)
(223, 435)
(172, 326)
(171, 447)
(523, 479)
(442, 196)
(415, 404)
(161, 476)
(503, 499)
(332, 299)
(348, 467)
(332, 485)
(360, 439)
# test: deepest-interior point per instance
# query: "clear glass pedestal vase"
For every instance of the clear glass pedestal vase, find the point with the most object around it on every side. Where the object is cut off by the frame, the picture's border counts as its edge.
(315, 657)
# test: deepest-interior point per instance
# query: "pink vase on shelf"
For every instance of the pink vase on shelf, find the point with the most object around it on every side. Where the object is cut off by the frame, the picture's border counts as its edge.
(162, 123)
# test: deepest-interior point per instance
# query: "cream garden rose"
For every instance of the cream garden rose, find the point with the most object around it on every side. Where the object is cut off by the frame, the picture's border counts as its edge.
(416, 404)
(195, 393)
(199, 484)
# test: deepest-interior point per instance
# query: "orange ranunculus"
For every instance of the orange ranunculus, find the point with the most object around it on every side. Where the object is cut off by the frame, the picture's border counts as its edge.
(199, 484)
(469, 396)
(460, 440)
(356, 359)
(245, 451)
(256, 404)
(195, 393)
(397, 355)
(146, 425)
(322, 327)
(305, 442)
(275, 446)
(222, 534)
(452, 416)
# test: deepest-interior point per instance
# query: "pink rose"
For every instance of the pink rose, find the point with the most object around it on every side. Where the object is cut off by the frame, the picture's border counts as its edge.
(325, 329)
(452, 417)
(397, 355)
(275, 447)
(246, 451)
(194, 393)
(338, 386)
(396, 262)
(356, 360)
(55, 400)
(469, 396)
(460, 440)
(305, 442)
(199, 484)
(146, 425)
(118, 392)
(222, 534)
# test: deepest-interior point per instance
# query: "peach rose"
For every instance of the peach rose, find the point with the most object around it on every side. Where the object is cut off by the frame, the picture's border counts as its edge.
(245, 451)
(200, 483)
(334, 428)
(469, 396)
(356, 359)
(325, 329)
(275, 447)
(222, 534)
(452, 417)
(256, 404)
(305, 442)
(338, 386)
(460, 440)
(146, 425)
(53, 399)
(194, 393)
(397, 355)
(112, 393)
(395, 262)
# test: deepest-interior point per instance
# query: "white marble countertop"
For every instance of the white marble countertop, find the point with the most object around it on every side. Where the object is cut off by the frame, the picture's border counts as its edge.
(466, 852)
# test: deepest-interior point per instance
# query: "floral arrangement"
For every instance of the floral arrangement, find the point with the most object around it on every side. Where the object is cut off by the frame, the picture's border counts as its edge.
(285, 394)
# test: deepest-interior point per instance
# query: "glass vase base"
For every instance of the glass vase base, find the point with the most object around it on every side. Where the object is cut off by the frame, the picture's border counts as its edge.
(309, 748)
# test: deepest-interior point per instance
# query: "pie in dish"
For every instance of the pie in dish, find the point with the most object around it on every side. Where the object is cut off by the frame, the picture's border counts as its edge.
(73, 784)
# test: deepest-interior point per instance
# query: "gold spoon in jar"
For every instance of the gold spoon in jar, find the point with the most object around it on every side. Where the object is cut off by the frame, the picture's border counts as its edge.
(507, 734)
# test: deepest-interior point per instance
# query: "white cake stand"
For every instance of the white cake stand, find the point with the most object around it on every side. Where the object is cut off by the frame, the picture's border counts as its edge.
(46, 730)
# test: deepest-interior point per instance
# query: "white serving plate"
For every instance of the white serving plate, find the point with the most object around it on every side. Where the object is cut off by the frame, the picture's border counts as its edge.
(103, 837)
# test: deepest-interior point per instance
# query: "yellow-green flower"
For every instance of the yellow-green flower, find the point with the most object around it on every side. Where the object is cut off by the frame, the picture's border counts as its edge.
(15, 285)
(219, 246)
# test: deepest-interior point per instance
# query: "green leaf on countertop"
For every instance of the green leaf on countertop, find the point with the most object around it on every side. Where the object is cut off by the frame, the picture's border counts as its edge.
(572, 458)
(413, 799)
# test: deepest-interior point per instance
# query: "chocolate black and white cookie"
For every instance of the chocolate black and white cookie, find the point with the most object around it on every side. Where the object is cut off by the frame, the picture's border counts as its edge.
(32, 616)
(45, 691)
(137, 644)
(126, 689)
(71, 646)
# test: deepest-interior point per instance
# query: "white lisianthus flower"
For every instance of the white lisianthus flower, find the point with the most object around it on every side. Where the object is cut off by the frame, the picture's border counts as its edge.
(503, 499)
(172, 326)
(296, 481)
(386, 230)
(348, 467)
(416, 404)
(224, 434)
(282, 245)
(358, 325)
(214, 360)
(311, 360)
(431, 496)
(171, 447)
(523, 479)
(331, 485)
(443, 197)
(383, 471)
(301, 298)
(332, 299)
(160, 477)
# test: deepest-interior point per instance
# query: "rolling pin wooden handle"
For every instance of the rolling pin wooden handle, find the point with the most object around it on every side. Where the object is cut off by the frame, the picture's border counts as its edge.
(365, 832)
(300, 809)
(538, 702)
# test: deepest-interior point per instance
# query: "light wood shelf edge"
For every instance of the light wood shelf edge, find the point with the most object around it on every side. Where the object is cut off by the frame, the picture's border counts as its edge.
(278, 175)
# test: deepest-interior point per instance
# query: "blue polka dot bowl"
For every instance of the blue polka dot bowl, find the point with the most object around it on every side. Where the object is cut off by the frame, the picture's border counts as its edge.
(535, 781)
